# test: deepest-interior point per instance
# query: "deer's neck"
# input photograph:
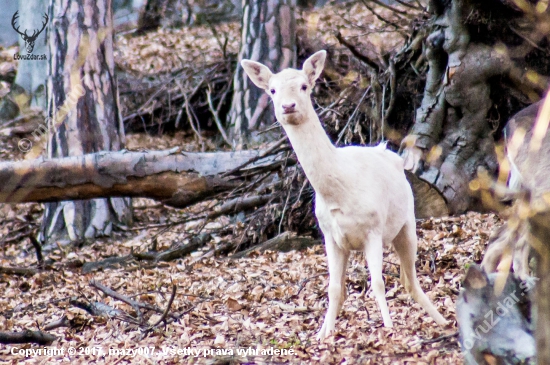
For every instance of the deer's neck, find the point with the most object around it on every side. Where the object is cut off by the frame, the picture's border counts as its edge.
(315, 151)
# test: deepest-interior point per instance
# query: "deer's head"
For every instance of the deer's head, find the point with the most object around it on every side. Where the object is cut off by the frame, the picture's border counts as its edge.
(29, 39)
(289, 89)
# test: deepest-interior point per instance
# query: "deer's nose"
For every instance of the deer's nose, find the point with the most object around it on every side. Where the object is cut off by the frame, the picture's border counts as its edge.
(288, 108)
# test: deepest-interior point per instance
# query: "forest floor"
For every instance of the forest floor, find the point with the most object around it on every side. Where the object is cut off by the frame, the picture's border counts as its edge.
(264, 308)
(265, 302)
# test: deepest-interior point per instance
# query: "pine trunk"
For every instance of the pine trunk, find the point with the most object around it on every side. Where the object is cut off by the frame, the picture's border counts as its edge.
(83, 112)
(269, 37)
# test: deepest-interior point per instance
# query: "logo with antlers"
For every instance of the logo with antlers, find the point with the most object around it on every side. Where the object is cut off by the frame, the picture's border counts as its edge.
(29, 39)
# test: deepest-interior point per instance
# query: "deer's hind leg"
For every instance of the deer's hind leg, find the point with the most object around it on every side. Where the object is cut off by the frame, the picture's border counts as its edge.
(405, 245)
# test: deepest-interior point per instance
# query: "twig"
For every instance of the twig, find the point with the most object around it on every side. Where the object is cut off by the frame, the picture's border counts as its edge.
(382, 19)
(419, 4)
(162, 225)
(153, 206)
(387, 7)
(262, 155)
(286, 201)
(352, 116)
(409, 5)
(361, 57)
(165, 313)
(329, 108)
(19, 119)
(232, 206)
(528, 40)
(175, 253)
(110, 292)
(437, 339)
(38, 249)
(275, 125)
(223, 246)
(304, 184)
(18, 270)
(62, 322)
(191, 119)
(187, 97)
(104, 310)
(304, 282)
(16, 238)
(215, 114)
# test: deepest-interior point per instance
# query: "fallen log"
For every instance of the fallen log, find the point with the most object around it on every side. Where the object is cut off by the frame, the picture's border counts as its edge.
(175, 179)
(172, 178)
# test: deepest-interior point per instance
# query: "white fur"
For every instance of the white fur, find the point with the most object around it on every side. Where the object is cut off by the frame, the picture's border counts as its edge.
(363, 199)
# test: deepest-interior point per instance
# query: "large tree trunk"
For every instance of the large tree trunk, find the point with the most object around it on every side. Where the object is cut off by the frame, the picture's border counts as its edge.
(269, 37)
(29, 87)
(83, 112)
(32, 74)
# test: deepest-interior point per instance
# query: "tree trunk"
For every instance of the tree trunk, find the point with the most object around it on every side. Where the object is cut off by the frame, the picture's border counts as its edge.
(452, 136)
(29, 86)
(269, 37)
(151, 15)
(83, 112)
(32, 74)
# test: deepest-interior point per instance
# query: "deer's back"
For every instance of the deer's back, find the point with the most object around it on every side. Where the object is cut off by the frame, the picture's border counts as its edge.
(371, 196)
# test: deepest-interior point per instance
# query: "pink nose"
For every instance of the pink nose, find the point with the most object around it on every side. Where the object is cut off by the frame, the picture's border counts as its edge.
(288, 107)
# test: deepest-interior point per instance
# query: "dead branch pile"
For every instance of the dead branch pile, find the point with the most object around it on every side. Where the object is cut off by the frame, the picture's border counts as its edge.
(183, 80)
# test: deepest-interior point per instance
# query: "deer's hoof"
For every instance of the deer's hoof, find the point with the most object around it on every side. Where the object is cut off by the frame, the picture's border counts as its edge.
(324, 333)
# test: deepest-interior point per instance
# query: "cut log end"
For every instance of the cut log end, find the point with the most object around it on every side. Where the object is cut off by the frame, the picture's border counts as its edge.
(428, 201)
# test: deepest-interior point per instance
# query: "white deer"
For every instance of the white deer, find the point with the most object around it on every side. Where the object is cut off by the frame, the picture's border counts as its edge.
(363, 199)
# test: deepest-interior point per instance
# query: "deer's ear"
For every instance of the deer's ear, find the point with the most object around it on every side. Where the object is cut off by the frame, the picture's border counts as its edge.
(314, 66)
(475, 278)
(258, 73)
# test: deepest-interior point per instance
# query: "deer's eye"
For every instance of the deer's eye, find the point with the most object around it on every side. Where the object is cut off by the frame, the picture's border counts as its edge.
(304, 87)
(272, 91)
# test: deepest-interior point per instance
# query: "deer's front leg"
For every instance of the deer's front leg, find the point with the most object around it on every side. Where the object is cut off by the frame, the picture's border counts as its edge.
(337, 263)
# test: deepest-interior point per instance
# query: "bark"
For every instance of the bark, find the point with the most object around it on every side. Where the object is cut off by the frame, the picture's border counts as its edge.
(39, 337)
(7, 36)
(32, 74)
(452, 136)
(151, 16)
(269, 37)
(540, 241)
(83, 112)
(175, 13)
(173, 179)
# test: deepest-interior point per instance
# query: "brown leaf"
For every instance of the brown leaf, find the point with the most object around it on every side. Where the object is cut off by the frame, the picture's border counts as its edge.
(233, 305)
